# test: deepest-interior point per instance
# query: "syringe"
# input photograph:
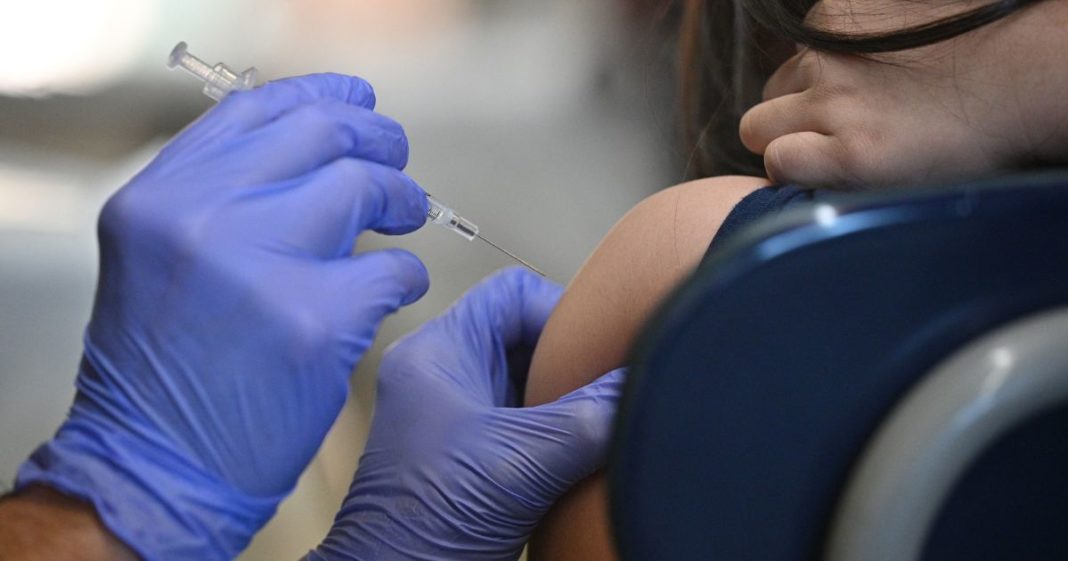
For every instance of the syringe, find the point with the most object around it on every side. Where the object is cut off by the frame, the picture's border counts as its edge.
(446, 217)
(220, 80)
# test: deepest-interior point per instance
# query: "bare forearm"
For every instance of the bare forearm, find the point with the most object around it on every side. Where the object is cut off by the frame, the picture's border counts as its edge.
(39, 523)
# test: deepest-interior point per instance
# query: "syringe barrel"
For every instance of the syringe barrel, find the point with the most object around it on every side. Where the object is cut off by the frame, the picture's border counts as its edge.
(444, 216)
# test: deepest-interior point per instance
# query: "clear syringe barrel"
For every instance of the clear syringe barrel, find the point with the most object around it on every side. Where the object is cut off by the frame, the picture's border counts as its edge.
(447, 218)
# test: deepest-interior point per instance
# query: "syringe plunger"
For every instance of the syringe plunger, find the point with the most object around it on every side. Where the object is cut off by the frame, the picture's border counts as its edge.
(219, 80)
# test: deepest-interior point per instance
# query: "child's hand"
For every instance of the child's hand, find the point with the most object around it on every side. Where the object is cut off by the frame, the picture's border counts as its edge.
(958, 109)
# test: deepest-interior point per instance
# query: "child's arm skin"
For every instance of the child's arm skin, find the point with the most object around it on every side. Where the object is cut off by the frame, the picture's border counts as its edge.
(642, 258)
(986, 101)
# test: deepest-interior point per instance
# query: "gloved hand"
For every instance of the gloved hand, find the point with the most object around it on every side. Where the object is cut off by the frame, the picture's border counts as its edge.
(453, 468)
(229, 314)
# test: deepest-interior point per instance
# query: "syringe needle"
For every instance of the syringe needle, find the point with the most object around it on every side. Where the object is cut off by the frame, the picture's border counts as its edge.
(446, 217)
(512, 255)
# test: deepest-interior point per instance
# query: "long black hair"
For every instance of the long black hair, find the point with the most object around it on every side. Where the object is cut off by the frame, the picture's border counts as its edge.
(728, 49)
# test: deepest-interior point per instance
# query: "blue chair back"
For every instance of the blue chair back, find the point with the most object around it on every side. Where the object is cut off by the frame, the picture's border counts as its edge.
(757, 385)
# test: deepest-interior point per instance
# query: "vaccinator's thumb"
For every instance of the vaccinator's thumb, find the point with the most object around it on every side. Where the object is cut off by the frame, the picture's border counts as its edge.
(363, 290)
(583, 420)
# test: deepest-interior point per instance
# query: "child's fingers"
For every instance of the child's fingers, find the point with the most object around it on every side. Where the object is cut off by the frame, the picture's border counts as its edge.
(795, 75)
(807, 158)
(779, 117)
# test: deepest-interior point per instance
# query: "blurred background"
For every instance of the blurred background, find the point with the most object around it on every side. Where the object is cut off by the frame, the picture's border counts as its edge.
(542, 121)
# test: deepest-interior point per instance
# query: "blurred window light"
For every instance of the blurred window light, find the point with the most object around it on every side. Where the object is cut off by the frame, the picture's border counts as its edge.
(71, 46)
(372, 22)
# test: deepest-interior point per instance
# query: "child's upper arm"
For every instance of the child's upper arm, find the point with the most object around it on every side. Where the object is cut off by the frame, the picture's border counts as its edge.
(641, 259)
(657, 243)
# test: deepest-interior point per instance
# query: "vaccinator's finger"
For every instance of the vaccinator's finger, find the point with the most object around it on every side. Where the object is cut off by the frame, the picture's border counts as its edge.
(314, 135)
(242, 111)
(577, 428)
(510, 306)
(507, 309)
(362, 290)
(323, 213)
(266, 103)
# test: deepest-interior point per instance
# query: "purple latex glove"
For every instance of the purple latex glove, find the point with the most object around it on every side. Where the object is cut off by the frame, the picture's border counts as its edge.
(230, 313)
(453, 470)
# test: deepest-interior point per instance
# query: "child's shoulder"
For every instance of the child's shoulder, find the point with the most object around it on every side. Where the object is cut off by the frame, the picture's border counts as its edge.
(679, 222)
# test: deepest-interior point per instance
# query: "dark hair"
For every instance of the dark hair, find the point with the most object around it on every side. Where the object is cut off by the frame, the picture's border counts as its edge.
(728, 49)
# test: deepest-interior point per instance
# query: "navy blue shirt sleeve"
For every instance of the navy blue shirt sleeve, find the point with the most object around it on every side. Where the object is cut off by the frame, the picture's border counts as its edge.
(763, 202)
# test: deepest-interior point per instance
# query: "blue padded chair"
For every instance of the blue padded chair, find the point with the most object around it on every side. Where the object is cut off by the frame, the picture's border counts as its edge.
(881, 378)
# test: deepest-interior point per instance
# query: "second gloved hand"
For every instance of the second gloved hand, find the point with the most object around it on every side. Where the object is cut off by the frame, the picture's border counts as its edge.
(453, 469)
